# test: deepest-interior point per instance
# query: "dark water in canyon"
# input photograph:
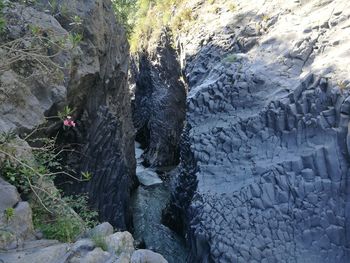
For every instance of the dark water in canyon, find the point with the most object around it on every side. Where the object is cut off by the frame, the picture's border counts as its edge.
(147, 203)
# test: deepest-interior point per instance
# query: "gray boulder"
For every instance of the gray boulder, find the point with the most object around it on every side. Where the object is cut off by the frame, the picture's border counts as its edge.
(9, 196)
(52, 253)
(102, 230)
(147, 256)
(120, 242)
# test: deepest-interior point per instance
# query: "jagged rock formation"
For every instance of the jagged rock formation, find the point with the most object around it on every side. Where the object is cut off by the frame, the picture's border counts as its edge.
(27, 90)
(14, 230)
(18, 244)
(93, 82)
(268, 106)
(159, 105)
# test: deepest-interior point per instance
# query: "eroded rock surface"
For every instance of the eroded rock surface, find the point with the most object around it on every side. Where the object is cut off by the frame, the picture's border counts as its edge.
(31, 84)
(119, 248)
(98, 89)
(89, 76)
(268, 111)
(159, 105)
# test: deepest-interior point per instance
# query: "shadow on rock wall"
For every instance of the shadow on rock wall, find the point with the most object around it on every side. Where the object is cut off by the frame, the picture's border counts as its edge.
(159, 106)
(270, 182)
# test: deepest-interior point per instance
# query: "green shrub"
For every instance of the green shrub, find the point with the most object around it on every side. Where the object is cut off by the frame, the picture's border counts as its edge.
(64, 225)
(9, 213)
(61, 218)
(79, 203)
(75, 39)
(125, 11)
(19, 176)
(100, 241)
(7, 137)
(151, 16)
(63, 228)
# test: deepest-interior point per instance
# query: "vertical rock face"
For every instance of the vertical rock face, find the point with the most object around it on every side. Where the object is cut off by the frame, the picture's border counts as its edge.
(98, 90)
(159, 107)
(268, 107)
(30, 83)
(94, 84)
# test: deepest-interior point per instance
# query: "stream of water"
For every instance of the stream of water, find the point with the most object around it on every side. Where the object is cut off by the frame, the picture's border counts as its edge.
(147, 203)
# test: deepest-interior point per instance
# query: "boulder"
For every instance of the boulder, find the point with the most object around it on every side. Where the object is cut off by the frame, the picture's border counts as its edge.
(102, 230)
(147, 256)
(9, 196)
(51, 253)
(120, 242)
(95, 256)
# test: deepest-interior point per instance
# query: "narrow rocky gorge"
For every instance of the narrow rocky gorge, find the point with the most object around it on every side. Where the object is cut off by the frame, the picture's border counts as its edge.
(159, 104)
(265, 161)
(70, 57)
(225, 140)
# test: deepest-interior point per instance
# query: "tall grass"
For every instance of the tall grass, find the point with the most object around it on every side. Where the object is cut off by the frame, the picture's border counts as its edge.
(151, 17)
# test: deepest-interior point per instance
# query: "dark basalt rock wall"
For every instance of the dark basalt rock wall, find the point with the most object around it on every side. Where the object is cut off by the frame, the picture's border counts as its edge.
(94, 84)
(98, 90)
(269, 138)
(159, 106)
(184, 186)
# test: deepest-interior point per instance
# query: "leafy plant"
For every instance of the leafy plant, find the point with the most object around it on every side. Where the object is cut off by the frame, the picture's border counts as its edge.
(100, 241)
(77, 21)
(125, 11)
(20, 177)
(184, 16)
(9, 213)
(62, 228)
(7, 137)
(75, 39)
(150, 17)
(54, 6)
(36, 30)
(67, 111)
(79, 203)
(61, 218)
(86, 175)
(64, 225)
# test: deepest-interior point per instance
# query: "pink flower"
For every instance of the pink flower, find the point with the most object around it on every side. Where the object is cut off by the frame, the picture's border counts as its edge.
(69, 122)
